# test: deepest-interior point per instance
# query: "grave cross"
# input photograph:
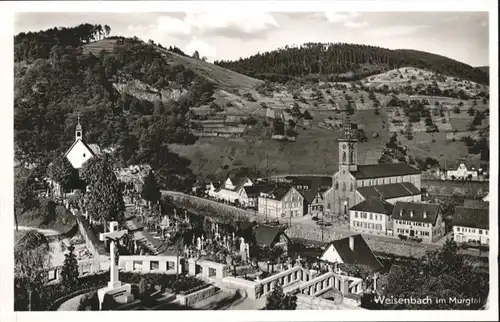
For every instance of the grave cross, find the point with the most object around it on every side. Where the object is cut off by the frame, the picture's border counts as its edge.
(114, 236)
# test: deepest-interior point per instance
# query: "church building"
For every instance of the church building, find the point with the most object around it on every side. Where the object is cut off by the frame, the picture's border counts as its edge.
(351, 176)
(80, 152)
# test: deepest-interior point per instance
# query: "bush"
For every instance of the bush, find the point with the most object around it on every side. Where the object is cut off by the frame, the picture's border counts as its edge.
(108, 303)
(89, 302)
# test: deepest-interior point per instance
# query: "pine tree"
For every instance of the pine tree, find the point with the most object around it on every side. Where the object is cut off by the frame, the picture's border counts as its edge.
(69, 272)
(150, 190)
(278, 300)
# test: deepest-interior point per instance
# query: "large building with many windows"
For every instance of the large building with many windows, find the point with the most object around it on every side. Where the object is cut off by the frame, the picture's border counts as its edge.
(418, 220)
(471, 225)
(371, 216)
(351, 176)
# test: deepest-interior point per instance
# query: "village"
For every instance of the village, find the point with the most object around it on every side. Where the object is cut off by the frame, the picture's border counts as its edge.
(235, 244)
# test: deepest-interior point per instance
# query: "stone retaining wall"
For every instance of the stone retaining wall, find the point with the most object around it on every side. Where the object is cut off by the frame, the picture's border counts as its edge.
(191, 299)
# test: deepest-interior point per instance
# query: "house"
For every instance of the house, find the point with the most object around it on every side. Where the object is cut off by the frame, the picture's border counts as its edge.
(212, 189)
(487, 197)
(281, 201)
(343, 193)
(462, 173)
(271, 236)
(80, 152)
(471, 225)
(352, 250)
(312, 189)
(418, 220)
(392, 192)
(232, 188)
(250, 195)
(371, 216)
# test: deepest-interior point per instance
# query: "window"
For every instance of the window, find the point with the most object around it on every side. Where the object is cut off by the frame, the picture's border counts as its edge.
(352, 187)
(343, 186)
(336, 185)
(480, 231)
(84, 155)
(355, 214)
(371, 216)
(154, 265)
(343, 157)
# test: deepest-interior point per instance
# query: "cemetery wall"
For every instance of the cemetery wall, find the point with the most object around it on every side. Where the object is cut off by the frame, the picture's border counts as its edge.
(191, 299)
(377, 245)
(197, 203)
(91, 241)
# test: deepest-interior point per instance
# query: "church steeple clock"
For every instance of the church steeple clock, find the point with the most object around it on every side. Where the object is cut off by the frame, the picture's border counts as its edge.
(348, 148)
(79, 131)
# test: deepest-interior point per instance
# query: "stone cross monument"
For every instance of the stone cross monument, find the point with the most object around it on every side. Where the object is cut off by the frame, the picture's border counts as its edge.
(120, 292)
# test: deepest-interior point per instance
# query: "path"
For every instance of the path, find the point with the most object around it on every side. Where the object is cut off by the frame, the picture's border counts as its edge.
(71, 304)
(138, 233)
(46, 232)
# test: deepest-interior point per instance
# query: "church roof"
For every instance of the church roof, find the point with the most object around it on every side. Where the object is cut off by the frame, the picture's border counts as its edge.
(370, 171)
(389, 191)
(85, 144)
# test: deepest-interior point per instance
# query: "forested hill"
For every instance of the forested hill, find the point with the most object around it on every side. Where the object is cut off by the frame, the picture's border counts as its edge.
(65, 71)
(341, 62)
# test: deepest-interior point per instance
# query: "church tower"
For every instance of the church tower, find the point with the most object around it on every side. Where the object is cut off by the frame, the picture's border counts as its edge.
(348, 148)
(79, 131)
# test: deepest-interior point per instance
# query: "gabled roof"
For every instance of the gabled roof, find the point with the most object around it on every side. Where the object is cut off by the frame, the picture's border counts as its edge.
(216, 185)
(369, 171)
(252, 191)
(237, 182)
(85, 144)
(473, 218)
(277, 191)
(95, 148)
(267, 235)
(476, 204)
(375, 205)
(402, 211)
(360, 255)
(389, 191)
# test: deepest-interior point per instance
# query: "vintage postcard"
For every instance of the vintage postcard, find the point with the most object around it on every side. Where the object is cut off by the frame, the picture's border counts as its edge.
(201, 157)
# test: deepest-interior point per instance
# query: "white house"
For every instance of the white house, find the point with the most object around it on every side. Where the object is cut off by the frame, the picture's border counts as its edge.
(352, 250)
(418, 220)
(461, 173)
(281, 201)
(231, 190)
(471, 225)
(80, 152)
(212, 189)
(371, 216)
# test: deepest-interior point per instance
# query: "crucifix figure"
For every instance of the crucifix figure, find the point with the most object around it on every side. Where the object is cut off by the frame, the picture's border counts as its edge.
(114, 236)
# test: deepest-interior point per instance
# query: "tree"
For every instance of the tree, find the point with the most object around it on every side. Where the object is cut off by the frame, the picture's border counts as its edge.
(70, 272)
(278, 300)
(24, 194)
(196, 55)
(62, 172)
(107, 30)
(32, 260)
(105, 199)
(150, 190)
(442, 274)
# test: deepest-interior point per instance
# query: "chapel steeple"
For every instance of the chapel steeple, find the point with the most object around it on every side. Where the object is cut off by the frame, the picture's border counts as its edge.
(348, 147)
(78, 131)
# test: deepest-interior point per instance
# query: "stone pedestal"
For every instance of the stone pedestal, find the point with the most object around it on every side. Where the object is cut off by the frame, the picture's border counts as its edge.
(121, 293)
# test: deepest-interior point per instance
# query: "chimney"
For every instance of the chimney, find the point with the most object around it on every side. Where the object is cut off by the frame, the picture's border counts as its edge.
(401, 213)
(411, 213)
(351, 242)
(425, 214)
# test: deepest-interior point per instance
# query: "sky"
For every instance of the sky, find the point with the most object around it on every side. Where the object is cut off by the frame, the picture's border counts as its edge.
(462, 36)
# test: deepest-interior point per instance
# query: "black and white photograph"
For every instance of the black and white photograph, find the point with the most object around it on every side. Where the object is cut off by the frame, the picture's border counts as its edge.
(252, 159)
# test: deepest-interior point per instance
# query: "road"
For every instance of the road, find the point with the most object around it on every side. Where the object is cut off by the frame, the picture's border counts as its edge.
(46, 232)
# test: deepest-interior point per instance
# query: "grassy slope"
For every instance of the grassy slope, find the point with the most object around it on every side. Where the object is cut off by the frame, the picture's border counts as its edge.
(315, 150)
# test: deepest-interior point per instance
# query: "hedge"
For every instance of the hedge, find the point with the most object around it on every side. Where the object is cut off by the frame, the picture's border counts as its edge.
(53, 295)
